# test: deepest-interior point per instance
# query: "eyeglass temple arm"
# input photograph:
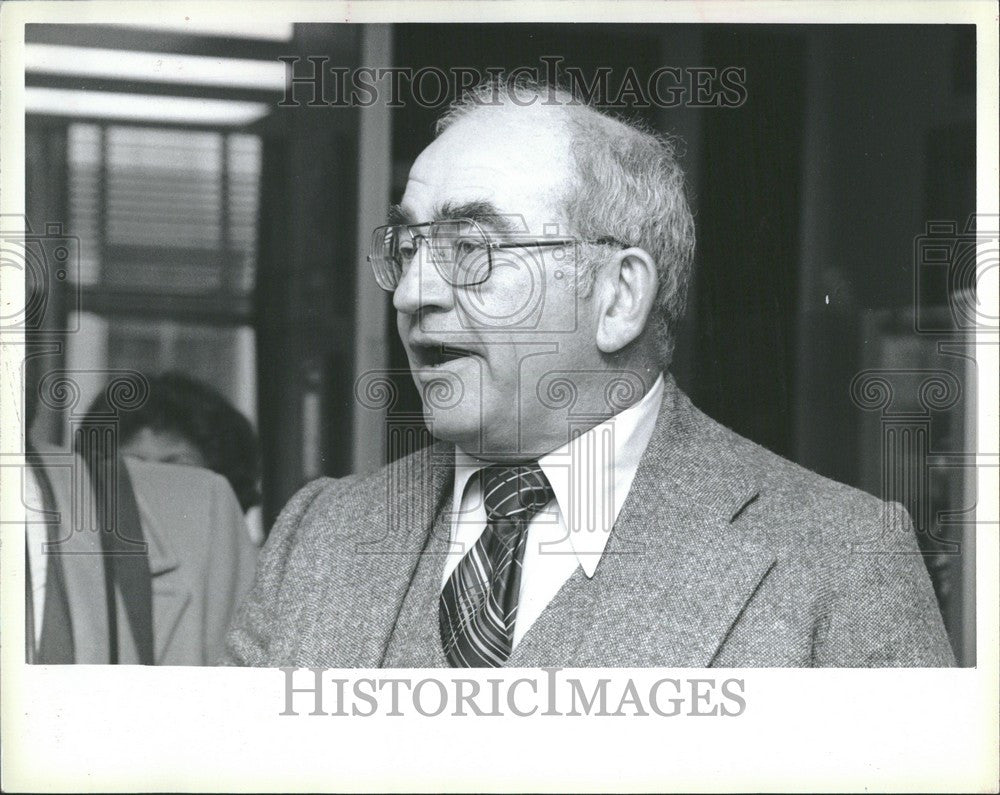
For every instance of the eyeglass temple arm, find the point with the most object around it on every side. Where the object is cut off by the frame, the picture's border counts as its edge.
(612, 241)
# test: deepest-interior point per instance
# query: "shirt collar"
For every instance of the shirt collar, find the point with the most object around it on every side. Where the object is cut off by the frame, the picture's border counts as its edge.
(590, 475)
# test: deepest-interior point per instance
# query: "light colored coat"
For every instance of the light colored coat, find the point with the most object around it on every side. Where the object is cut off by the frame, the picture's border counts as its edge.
(201, 559)
(724, 554)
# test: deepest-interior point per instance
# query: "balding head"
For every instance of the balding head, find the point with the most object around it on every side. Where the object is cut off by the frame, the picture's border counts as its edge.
(623, 182)
(517, 158)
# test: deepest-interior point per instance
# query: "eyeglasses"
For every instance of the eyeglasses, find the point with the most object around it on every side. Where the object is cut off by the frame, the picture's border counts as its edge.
(461, 250)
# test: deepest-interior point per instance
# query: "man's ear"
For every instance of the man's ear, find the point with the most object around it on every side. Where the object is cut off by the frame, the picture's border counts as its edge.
(626, 288)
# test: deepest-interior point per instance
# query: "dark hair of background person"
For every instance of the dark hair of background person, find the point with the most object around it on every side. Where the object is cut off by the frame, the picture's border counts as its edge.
(195, 412)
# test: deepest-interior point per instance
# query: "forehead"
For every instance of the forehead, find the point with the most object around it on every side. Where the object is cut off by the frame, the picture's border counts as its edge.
(519, 163)
(153, 444)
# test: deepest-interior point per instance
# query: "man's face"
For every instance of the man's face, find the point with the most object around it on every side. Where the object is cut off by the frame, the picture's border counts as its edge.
(498, 393)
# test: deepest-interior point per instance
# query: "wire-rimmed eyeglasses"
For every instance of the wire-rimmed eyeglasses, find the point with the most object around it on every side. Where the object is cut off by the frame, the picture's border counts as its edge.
(461, 250)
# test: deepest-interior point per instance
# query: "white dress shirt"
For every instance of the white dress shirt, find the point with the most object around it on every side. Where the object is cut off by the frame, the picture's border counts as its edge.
(590, 476)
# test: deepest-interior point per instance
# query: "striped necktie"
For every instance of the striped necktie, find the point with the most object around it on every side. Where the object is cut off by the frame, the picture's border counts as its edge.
(478, 605)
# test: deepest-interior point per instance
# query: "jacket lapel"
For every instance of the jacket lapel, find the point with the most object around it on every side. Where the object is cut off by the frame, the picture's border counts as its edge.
(80, 554)
(677, 569)
(364, 567)
(171, 591)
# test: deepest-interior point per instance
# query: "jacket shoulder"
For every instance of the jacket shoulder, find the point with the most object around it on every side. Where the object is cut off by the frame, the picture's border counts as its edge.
(326, 509)
(797, 500)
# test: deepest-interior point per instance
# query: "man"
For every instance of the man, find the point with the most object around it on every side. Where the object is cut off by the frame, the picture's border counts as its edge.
(576, 509)
(177, 565)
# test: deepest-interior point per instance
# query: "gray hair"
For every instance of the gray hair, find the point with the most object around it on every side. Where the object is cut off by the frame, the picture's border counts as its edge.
(628, 185)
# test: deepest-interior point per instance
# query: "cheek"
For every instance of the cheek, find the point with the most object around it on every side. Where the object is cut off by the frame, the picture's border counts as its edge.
(514, 297)
(497, 311)
(566, 319)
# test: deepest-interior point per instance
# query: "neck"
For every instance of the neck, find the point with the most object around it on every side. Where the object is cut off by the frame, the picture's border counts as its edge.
(566, 410)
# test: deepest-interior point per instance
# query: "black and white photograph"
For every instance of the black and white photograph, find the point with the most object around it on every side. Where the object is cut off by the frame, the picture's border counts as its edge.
(366, 364)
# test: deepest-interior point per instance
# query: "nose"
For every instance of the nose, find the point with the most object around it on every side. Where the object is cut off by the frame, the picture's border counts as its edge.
(421, 286)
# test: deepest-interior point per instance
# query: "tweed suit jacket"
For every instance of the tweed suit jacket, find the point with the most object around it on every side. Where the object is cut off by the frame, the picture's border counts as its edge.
(724, 554)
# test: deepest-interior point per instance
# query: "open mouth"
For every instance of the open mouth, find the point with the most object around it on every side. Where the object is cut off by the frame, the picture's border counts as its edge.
(438, 355)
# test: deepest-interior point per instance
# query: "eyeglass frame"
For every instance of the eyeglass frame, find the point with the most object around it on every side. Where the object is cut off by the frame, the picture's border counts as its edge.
(491, 246)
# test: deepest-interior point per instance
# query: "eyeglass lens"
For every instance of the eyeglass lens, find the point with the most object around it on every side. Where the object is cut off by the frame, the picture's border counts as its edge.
(459, 250)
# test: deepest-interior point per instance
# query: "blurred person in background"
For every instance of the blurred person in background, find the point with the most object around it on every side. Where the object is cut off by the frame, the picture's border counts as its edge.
(185, 421)
(159, 583)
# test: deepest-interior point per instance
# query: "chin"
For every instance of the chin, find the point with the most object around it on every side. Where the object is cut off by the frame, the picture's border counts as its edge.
(457, 425)
(466, 433)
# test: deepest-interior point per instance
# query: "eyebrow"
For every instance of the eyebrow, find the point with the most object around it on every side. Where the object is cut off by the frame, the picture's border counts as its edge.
(481, 211)
(397, 215)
